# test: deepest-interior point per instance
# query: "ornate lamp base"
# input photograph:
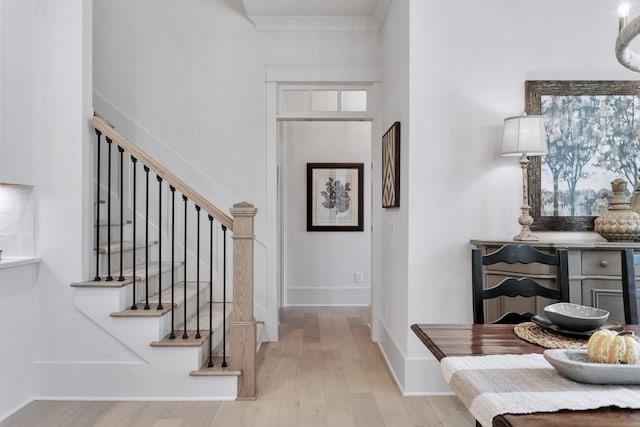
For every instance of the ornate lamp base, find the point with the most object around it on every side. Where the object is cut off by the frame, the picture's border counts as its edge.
(525, 220)
(526, 236)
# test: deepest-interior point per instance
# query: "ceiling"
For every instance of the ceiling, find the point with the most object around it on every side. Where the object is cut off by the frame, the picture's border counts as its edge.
(316, 15)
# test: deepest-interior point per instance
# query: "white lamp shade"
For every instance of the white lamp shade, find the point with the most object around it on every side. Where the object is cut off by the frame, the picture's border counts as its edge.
(524, 135)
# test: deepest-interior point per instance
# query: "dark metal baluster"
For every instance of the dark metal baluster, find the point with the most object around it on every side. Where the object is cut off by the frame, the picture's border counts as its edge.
(185, 335)
(160, 242)
(134, 306)
(97, 278)
(146, 246)
(109, 142)
(173, 257)
(121, 151)
(224, 296)
(210, 291)
(198, 272)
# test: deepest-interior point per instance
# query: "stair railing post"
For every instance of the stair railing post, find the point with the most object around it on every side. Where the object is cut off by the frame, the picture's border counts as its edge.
(243, 325)
(121, 194)
(159, 178)
(198, 336)
(97, 243)
(109, 143)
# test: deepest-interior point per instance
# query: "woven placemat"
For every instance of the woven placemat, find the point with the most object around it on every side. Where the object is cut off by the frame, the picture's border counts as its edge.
(536, 334)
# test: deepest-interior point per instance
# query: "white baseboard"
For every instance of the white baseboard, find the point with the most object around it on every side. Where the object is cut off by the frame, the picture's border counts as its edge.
(392, 355)
(135, 398)
(75, 381)
(15, 409)
(415, 376)
(323, 296)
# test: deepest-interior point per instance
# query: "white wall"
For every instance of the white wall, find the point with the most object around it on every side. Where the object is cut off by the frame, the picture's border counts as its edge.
(65, 341)
(192, 75)
(320, 266)
(186, 82)
(468, 64)
(394, 298)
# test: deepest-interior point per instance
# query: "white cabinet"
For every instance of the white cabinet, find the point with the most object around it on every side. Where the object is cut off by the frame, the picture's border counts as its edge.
(17, 91)
(17, 328)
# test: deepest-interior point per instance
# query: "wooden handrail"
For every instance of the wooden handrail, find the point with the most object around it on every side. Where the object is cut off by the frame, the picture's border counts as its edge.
(106, 129)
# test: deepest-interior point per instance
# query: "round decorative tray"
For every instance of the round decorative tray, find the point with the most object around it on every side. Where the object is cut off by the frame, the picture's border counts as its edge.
(576, 365)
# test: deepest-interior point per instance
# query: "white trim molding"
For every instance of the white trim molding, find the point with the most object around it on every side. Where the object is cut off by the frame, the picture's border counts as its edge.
(316, 15)
(306, 74)
(328, 295)
(314, 23)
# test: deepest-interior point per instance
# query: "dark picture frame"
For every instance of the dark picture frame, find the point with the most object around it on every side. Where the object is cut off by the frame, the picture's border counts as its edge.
(335, 195)
(602, 146)
(391, 167)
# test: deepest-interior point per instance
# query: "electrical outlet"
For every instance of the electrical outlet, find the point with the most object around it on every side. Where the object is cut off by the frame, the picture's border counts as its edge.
(358, 277)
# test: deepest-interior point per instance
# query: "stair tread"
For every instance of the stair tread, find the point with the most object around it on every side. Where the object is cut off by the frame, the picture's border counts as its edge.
(215, 370)
(104, 284)
(178, 297)
(126, 245)
(192, 326)
(154, 268)
(204, 316)
(166, 301)
(178, 341)
(104, 223)
(141, 312)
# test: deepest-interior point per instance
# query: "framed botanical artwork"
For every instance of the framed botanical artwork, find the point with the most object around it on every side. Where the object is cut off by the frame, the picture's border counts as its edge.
(391, 167)
(592, 130)
(335, 196)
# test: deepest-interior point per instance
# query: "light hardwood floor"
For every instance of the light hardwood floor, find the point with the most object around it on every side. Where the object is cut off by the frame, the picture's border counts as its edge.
(324, 371)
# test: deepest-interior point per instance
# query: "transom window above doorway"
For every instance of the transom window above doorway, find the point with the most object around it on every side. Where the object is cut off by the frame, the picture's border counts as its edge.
(301, 100)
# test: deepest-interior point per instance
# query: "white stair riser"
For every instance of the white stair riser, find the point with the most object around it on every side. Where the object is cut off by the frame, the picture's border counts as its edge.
(185, 357)
(127, 232)
(127, 259)
(217, 343)
(191, 312)
(136, 332)
(153, 283)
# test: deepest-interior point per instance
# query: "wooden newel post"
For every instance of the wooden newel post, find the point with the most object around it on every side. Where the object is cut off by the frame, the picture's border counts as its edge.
(243, 325)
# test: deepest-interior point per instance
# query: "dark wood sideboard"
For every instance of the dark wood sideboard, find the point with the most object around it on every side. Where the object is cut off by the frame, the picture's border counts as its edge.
(594, 275)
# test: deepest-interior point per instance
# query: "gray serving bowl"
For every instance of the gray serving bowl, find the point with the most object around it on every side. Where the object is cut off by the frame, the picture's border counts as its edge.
(575, 317)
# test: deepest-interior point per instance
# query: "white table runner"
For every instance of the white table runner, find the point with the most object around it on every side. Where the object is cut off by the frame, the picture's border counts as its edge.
(523, 384)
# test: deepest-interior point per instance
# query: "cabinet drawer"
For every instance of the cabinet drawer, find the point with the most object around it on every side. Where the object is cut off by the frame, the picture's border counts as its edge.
(605, 263)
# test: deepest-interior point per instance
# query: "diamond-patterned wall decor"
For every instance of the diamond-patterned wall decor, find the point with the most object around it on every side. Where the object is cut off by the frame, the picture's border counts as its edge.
(391, 167)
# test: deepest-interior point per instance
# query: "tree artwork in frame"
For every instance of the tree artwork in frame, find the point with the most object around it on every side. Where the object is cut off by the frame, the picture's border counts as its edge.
(391, 167)
(592, 135)
(335, 196)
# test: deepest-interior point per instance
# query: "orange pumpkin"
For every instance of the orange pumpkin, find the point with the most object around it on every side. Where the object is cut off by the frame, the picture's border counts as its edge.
(606, 346)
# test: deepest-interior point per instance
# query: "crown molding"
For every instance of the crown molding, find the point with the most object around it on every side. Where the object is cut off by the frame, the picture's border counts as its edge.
(314, 23)
(316, 15)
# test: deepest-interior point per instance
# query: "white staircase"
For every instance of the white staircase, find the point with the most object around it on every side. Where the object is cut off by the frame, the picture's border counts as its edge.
(177, 367)
(161, 277)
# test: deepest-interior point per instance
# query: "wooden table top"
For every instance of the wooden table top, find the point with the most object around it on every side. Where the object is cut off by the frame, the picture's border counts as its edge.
(474, 339)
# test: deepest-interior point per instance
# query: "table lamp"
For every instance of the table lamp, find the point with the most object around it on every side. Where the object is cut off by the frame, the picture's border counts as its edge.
(524, 136)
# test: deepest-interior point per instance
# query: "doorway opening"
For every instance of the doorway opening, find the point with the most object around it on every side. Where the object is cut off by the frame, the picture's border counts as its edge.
(320, 268)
